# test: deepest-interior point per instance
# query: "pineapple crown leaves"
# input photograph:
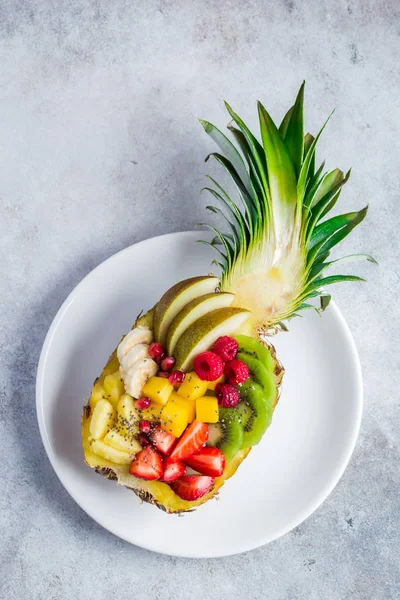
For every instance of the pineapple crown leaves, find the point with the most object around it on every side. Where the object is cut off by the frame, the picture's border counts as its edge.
(282, 195)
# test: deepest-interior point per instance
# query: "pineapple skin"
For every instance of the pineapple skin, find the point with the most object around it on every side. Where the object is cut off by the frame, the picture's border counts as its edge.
(154, 492)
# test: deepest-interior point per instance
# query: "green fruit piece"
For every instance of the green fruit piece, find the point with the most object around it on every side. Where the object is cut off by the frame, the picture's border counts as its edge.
(227, 434)
(259, 404)
(176, 298)
(259, 374)
(201, 335)
(193, 311)
(256, 349)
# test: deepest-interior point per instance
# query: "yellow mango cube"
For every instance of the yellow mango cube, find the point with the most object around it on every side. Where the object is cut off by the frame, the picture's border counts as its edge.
(153, 413)
(211, 385)
(176, 414)
(192, 387)
(158, 389)
(207, 409)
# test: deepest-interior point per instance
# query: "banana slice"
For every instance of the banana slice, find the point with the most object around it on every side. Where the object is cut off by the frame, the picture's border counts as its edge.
(136, 353)
(138, 335)
(138, 375)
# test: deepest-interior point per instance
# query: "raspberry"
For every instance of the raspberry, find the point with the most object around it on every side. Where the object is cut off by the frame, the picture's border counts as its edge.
(208, 366)
(226, 347)
(227, 395)
(236, 372)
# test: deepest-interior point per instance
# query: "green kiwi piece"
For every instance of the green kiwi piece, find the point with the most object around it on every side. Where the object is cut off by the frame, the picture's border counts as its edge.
(259, 374)
(256, 349)
(227, 434)
(260, 407)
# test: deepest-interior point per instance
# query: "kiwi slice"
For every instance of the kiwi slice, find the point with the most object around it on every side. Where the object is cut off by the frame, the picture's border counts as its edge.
(256, 349)
(227, 434)
(259, 405)
(259, 374)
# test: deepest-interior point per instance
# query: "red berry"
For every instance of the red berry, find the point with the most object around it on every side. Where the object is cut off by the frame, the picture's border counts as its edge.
(192, 487)
(227, 395)
(162, 440)
(143, 440)
(226, 347)
(236, 372)
(163, 374)
(176, 377)
(167, 363)
(145, 426)
(173, 470)
(147, 464)
(156, 351)
(208, 366)
(142, 403)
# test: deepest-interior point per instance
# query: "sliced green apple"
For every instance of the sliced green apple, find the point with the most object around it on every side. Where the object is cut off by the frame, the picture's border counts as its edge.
(193, 311)
(201, 335)
(176, 298)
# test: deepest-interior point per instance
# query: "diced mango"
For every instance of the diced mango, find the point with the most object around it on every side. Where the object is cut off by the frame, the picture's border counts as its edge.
(128, 415)
(192, 387)
(103, 419)
(112, 454)
(98, 393)
(176, 414)
(211, 385)
(114, 387)
(153, 413)
(158, 389)
(122, 441)
(207, 409)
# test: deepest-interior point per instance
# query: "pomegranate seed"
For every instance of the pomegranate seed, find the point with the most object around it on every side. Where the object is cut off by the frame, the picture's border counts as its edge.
(163, 374)
(142, 403)
(167, 363)
(143, 440)
(176, 377)
(156, 351)
(145, 426)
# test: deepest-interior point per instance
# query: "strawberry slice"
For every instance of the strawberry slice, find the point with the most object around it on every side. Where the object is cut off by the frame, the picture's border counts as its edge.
(162, 440)
(173, 470)
(192, 487)
(192, 439)
(208, 461)
(147, 464)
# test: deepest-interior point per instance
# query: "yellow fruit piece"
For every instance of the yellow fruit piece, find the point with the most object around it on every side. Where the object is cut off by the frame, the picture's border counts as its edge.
(153, 413)
(122, 441)
(207, 409)
(128, 415)
(192, 387)
(98, 393)
(158, 389)
(114, 387)
(175, 416)
(112, 454)
(103, 419)
(211, 385)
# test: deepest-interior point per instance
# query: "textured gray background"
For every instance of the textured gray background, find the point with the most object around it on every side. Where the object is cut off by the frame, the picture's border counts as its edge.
(100, 148)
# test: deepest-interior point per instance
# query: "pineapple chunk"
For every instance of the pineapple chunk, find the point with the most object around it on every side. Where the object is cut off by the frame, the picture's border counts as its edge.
(207, 409)
(121, 441)
(158, 389)
(128, 416)
(98, 393)
(103, 419)
(153, 413)
(112, 454)
(192, 387)
(211, 385)
(114, 387)
(176, 415)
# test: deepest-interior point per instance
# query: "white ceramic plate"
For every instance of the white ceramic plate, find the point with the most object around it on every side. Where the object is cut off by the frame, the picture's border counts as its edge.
(284, 479)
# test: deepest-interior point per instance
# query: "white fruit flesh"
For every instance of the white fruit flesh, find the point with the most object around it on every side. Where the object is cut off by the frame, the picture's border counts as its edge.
(139, 335)
(138, 375)
(136, 353)
(103, 419)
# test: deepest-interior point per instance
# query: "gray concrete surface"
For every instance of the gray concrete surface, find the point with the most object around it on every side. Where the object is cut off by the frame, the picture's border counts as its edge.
(100, 148)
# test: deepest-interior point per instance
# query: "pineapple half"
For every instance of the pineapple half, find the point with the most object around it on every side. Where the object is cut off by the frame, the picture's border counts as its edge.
(273, 259)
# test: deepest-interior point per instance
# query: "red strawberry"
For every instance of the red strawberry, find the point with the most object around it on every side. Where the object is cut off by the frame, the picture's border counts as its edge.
(173, 470)
(207, 461)
(192, 487)
(147, 464)
(236, 372)
(208, 366)
(227, 395)
(162, 440)
(226, 347)
(192, 439)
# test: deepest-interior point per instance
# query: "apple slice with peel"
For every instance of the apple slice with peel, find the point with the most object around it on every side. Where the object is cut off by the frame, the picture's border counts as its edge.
(176, 298)
(193, 311)
(203, 333)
